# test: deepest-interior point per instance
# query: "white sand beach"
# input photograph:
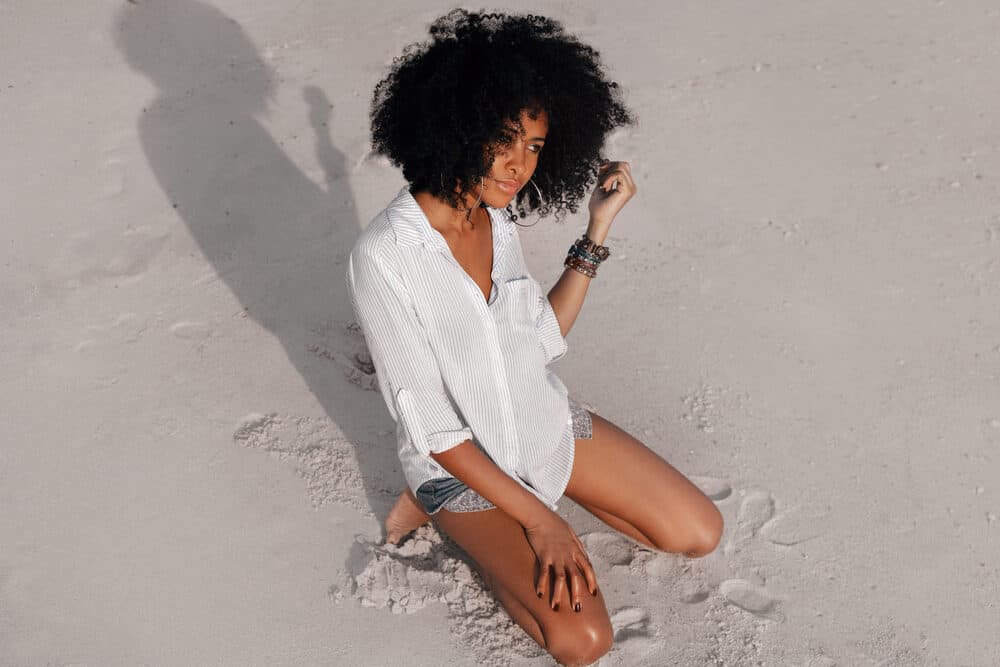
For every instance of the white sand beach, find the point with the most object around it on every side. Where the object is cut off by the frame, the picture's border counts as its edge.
(801, 313)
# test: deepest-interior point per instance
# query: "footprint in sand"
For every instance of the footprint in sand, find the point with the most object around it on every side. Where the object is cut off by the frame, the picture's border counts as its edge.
(716, 489)
(662, 568)
(113, 183)
(191, 330)
(695, 594)
(633, 636)
(756, 509)
(608, 549)
(754, 599)
(97, 256)
(790, 529)
(123, 329)
(114, 170)
(630, 622)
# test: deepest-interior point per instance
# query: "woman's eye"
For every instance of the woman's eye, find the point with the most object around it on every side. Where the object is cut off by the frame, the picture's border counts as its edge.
(535, 148)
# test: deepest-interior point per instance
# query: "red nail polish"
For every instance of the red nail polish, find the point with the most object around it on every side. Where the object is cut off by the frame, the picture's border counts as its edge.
(577, 606)
(539, 593)
(556, 608)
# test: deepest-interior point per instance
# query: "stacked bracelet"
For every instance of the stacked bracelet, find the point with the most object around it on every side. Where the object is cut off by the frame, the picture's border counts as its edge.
(585, 256)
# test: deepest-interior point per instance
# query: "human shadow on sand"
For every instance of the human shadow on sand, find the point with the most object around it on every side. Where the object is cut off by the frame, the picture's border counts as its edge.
(277, 239)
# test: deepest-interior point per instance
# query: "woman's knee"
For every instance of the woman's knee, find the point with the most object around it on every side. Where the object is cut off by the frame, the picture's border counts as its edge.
(707, 535)
(698, 538)
(580, 643)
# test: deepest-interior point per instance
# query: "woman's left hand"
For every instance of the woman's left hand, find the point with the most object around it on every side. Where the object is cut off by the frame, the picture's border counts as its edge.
(614, 188)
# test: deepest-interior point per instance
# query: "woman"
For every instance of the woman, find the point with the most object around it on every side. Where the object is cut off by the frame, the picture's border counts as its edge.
(497, 110)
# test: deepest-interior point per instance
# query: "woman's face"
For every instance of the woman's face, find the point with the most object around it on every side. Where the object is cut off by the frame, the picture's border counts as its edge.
(514, 164)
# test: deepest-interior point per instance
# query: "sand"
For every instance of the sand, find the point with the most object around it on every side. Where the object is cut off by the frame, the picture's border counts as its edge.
(800, 313)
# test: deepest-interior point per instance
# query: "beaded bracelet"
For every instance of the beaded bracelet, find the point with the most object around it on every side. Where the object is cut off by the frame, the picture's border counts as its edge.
(585, 256)
(599, 251)
(580, 265)
(577, 251)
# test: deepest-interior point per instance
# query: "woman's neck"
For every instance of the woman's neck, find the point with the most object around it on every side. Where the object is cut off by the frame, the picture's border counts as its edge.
(449, 220)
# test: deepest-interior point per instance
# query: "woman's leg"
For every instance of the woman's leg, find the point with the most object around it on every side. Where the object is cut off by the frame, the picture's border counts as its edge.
(496, 543)
(632, 489)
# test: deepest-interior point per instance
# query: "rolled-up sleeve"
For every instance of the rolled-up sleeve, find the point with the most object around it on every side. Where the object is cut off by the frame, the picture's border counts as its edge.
(405, 366)
(547, 326)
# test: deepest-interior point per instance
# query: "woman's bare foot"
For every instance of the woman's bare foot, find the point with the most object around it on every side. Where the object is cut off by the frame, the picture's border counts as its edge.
(405, 516)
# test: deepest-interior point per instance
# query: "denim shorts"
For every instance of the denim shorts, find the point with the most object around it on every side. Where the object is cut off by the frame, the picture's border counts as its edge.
(453, 495)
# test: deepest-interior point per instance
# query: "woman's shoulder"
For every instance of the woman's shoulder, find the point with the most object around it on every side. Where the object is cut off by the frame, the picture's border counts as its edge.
(383, 232)
(375, 240)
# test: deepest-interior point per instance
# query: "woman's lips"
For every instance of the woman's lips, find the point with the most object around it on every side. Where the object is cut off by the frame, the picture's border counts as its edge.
(510, 187)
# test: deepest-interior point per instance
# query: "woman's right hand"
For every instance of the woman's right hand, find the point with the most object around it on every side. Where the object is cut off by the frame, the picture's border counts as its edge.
(563, 563)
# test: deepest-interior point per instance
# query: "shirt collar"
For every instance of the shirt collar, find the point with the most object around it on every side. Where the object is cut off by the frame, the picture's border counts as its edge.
(411, 227)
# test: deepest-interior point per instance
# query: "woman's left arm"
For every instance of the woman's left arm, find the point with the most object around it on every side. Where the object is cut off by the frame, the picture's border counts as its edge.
(614, 188)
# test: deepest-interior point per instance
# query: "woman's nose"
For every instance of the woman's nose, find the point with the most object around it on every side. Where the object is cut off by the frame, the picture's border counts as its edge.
(515, 160)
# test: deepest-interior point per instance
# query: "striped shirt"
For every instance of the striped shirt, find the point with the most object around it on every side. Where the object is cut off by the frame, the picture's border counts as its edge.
(453, 366)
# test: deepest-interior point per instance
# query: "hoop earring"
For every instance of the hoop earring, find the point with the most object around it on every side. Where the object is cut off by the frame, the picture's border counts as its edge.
(482, 188)
(513, 216)
(532, 181)
(468, 213)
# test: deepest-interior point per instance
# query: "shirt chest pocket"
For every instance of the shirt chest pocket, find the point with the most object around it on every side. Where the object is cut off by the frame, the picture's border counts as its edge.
(519, 303)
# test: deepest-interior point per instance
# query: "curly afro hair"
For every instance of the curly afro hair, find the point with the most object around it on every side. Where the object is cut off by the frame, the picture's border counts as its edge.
(448, 105)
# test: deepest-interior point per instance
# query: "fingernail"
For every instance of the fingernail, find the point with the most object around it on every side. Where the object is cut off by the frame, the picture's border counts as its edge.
(556, 608)
(577, 607)
(539, 593)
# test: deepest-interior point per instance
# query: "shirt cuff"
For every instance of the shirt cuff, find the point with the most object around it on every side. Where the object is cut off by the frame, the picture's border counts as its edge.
(424, 442)
(442, 441)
